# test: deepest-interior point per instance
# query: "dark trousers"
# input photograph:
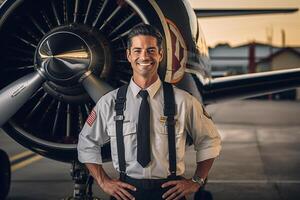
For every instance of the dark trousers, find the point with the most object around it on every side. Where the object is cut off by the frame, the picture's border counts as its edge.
(147, 189)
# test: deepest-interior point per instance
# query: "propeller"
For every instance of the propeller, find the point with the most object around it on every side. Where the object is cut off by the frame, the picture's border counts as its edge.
(64, 40)
(94, 87)
(13, 96)
(63, 58)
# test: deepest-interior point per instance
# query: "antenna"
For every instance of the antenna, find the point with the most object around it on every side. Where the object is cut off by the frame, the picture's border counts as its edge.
(270, 32)
(283, 37)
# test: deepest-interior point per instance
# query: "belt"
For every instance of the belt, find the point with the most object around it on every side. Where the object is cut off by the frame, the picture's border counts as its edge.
(148, 184)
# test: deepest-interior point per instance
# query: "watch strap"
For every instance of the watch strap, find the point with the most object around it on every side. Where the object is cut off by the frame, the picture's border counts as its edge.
(199, 180)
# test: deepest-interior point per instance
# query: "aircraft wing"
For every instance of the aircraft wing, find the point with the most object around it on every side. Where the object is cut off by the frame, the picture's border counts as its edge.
(248, 85)
(201, 13)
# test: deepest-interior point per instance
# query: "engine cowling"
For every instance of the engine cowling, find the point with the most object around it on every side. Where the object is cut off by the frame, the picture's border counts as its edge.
(62, 38)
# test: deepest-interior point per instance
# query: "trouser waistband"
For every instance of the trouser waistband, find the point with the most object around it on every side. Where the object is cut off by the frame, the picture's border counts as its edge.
(148, 183)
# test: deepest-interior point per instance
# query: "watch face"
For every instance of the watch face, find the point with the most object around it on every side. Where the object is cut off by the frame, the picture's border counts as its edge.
(199, 180)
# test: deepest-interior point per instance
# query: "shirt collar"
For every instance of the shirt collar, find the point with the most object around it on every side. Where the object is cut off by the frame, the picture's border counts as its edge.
(152, 89)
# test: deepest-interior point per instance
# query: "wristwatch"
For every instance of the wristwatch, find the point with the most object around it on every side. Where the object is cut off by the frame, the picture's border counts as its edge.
(199, 180)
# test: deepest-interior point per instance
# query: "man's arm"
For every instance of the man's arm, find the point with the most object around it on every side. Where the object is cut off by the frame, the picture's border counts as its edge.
(185, 187)
(97, 172)
(113, 187)
(203, 168)
(91, 138)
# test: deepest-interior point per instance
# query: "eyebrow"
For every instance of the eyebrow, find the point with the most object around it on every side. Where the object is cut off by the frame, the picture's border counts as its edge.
(137, 48)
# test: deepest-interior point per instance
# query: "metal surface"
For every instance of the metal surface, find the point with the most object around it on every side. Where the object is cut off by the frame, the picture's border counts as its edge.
(250, 85)
(95, 87)
(201, 13)
(63, 55)
(13, 96)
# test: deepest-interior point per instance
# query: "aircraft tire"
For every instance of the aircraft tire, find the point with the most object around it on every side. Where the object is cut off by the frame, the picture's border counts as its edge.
(5, 175)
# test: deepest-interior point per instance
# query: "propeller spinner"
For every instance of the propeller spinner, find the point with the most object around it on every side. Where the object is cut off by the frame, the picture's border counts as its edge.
(63, 58)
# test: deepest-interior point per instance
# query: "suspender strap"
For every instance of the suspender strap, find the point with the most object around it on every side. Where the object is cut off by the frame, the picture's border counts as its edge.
(169, 112)
(119, 118)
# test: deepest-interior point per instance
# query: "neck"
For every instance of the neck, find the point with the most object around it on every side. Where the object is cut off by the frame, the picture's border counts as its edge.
(144, 82)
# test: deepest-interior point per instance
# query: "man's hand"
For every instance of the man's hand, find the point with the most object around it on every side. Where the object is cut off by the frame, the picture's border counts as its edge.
(112, 187)
(180, 189)
(117, 189)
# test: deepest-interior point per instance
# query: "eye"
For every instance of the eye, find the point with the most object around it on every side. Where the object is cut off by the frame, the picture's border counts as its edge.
(151, 51)
(136, 51)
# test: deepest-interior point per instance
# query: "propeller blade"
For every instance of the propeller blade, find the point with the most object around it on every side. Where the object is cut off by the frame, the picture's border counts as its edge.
(94, 87)
(13, 96)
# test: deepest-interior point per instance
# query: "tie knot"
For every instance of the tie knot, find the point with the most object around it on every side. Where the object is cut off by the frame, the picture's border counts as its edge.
(143, 94)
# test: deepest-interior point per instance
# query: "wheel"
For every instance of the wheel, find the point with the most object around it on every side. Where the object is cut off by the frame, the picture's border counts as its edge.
(4, 175)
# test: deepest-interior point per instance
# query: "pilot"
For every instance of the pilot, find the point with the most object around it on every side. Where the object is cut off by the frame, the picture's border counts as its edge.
(147, 123)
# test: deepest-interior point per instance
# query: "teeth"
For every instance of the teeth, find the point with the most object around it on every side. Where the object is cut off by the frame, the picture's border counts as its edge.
(144, 64)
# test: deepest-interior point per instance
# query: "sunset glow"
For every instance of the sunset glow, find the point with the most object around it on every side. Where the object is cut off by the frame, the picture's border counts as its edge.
(238, 30)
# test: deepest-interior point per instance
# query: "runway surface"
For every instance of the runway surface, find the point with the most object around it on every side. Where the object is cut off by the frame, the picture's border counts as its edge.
(260, 157)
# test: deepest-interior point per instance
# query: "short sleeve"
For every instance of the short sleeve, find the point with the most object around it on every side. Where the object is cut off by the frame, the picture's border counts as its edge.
(92, 136)
(207, 141)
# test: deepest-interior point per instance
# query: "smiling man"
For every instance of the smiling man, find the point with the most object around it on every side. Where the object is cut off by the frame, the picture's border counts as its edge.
(147, 123)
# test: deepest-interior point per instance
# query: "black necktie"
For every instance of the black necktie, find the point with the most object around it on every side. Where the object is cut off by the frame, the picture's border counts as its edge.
(143, 134)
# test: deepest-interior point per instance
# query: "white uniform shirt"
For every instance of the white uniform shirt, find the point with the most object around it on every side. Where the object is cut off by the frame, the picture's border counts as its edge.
(190, 119)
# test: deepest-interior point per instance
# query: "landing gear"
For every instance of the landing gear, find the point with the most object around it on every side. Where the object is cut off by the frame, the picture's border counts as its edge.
(83, 183)
(5, 174)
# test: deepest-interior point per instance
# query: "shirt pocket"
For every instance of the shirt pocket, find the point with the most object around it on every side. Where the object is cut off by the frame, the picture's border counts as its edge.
(162, 139)
(130, 142)
(178, 128)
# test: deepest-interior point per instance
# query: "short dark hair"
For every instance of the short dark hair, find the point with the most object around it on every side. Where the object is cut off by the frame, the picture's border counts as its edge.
(144, 29)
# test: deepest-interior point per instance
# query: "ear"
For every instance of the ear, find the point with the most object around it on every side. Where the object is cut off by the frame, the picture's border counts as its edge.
(161, 53)
(128, 55)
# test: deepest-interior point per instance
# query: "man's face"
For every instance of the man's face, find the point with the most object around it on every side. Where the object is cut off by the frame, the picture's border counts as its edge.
(144, 56)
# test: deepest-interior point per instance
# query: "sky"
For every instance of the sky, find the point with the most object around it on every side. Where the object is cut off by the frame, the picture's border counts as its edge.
(237, 30)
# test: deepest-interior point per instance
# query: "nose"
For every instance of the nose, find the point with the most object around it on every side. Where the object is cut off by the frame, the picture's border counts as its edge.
(144, 55)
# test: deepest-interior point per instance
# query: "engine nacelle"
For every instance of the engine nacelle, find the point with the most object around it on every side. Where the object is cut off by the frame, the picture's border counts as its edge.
(62, 38)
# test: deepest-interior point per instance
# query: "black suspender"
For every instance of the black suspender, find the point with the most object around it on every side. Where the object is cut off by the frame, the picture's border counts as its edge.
(119, 118)
(169, 112)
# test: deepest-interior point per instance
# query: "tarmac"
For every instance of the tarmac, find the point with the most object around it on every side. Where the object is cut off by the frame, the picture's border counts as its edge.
(260, 157)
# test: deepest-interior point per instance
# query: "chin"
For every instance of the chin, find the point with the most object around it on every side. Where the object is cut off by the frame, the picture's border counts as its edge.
(145, 74)
(144, 71)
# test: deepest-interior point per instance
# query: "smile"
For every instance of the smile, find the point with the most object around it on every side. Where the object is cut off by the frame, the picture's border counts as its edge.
(145, 64)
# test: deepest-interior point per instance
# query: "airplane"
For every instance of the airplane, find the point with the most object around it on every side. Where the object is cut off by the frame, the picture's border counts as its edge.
(58, 57)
